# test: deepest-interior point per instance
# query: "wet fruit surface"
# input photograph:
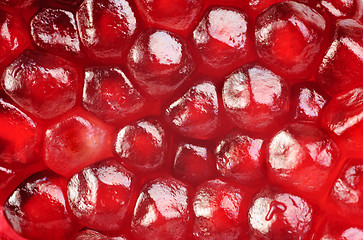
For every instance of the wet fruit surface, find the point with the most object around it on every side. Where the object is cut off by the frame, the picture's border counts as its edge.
(181, 120)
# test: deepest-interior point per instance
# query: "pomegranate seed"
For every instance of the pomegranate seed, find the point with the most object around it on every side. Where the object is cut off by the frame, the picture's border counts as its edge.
(343, 118)
(13, 37)
(37, 208)
(99, 195)
(223, 39)
(278, 215)
(218, 208)
(337, 229)
(302, 157)
(342, 67)
(195, 114)
(55, 30)
(240, 158)
(20, 137)
(340, 8)
(348, 189)
(308, 101)
(110, 95)
(177, 16)
(256, 98)
(43, 84)
(289, 36)
(161, 211)
(73, 143)
(106, 27)
(142, 144)
(160, 62)
(194, 163)
(93, 235)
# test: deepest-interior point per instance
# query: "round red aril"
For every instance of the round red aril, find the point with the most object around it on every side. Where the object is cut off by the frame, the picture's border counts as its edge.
(343, 117)
(43, 84)
(6, 232)
(195, 114)
(177, 16)
(142, 145)
(220, 209)
(99, 195)
(20, 137)
(256, 99)
(259, 5)
(74, 142)
(109, 94)
(341, 8)
(342, 66)
(106, 27)
(13, 37)
(307, 101)
(223, 39)
(93, 235)
(55, 30)
(194, 163)
(241, 158)
(160, 62)
(337, 229)
(302, 158)
(347, 191)
(37, 208)
(275, 215)
(162, 211)
(289, 36)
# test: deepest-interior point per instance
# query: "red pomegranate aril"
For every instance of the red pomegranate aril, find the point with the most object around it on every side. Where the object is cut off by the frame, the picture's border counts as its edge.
(194, 163)
(308, 101)
(162, 211)
(347, 191)
(6, 232)
(196, 113)
(160, 62)
(93, 235)
(14, 37)
(42, 84)
(223, 39)
(342, 67)
(37, 208)
(340, 8)
(334, 229)
(177, 16)
(275, 215)
(54, 30)
(106, 27)
(259, 5)
(220, 209)
(20, 137)
(109, 94)
(99, 195)
(74, 141)
(289, 37)
(302, 158)
(143, 144)
(256, 99)
(241, 158)
(343, 117)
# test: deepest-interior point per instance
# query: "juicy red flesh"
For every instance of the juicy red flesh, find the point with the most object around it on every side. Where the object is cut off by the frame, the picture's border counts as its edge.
(289, 36)
(181, 120)
(55, 30)
(19, 136)
(73, 143)
(256, 99)
(160, 62)
(43, 84)
(161, 211)
(37, 209)
(99, 195)
(223, 39)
